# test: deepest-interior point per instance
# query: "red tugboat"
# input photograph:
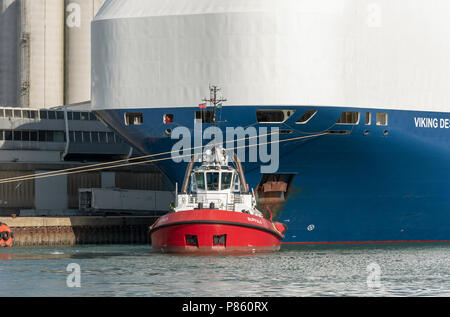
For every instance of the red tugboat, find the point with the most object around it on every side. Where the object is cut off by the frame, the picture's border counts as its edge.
(215, 213)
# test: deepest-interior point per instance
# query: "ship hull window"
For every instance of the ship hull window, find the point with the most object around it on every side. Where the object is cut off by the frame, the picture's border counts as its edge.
(134, 119)
(382, 119)
(307, 117)
(273, 116)
(205, 116)
(168, 118)
(368, 118)
(349, 117)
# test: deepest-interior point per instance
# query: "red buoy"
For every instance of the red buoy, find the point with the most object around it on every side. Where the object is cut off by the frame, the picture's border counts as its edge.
(6, 236)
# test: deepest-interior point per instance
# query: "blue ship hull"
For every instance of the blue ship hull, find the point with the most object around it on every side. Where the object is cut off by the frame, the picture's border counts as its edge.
(359, 184)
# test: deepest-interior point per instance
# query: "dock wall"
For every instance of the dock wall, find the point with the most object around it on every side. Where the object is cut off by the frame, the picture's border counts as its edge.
(69, 231)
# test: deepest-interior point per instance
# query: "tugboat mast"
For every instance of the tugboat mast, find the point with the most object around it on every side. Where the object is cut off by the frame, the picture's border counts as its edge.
(213, 99)
(216, 103)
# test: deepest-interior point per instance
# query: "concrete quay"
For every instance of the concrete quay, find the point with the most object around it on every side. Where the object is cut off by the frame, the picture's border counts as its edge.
(69, 231)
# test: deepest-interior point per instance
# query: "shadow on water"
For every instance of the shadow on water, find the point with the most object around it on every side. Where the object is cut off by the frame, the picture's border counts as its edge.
(79, 253)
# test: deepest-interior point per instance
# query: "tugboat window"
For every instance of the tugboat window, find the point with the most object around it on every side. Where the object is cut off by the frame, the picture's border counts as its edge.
(226, 180)
(134, 119)
(191, 240)
(237, 185)
(213, 181)
(200, 181)
(220, 240)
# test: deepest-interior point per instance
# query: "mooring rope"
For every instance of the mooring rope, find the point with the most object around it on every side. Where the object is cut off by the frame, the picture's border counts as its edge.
(32, 176)
(102, 166)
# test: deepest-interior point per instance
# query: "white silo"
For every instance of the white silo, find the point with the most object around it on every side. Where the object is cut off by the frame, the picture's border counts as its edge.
(42, 29)
(9, 34)
(78, 17)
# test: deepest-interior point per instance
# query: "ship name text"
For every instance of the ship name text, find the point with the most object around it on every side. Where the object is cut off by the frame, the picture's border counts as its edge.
(432, 123)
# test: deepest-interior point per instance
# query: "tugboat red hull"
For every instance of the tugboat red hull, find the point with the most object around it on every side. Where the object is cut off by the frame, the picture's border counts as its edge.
(215, 231)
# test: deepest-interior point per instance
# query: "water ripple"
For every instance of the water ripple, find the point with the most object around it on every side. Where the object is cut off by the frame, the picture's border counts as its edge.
(406, 270)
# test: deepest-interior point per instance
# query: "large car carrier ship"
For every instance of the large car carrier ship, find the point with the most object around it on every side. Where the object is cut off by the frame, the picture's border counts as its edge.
(360, 88)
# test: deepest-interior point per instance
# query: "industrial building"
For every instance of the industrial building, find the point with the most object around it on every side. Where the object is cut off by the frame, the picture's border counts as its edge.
(45, 119)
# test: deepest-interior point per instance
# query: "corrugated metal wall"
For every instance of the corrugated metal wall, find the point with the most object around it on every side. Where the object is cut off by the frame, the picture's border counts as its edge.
(76, 181)
(139, 181)
(16, 195)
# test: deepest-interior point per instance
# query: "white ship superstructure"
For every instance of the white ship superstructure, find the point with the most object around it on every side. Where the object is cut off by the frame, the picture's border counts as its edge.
(374, 54)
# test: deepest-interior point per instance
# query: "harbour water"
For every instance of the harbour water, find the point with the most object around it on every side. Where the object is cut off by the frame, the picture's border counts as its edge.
(300, 271)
